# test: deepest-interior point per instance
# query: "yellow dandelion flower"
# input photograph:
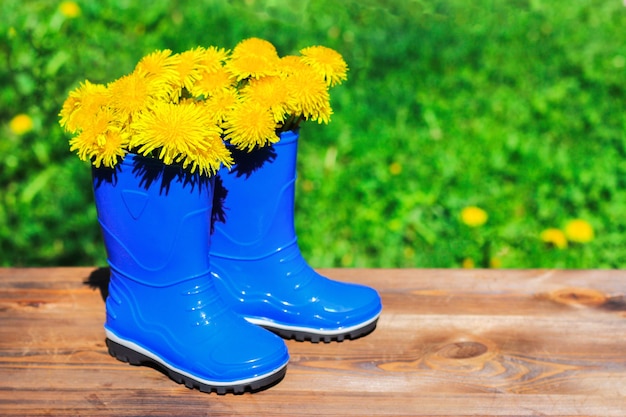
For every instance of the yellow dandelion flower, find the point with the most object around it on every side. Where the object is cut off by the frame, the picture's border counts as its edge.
(291, 64)
(160, 64)
(308, 96)
(253, 58)
(220, 104)
(210, 83)
(270, 93)
(189, 67)
(307, 185)
(69, 9)
(395, 168)
(70, 106)
(254, 46)
(208, 161)
(554, 237)
(134, 92)
(327, 62)
(474, 216)
(84, 144)
(21, 124)
(579, 231)
(111, 148)
(176, 131)
(468, 263)
(213, 58)
(495, 263)
(250, 125)
(251, 67)
(91, 143)
(81, 105)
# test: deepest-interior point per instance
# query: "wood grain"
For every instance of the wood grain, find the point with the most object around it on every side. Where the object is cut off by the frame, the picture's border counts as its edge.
(449, 343)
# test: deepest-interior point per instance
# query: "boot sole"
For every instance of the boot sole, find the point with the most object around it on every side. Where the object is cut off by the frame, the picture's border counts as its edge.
(316, 336)
(126, 354)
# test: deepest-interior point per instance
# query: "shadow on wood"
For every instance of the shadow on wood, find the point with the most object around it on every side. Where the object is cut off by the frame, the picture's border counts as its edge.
(99, 279)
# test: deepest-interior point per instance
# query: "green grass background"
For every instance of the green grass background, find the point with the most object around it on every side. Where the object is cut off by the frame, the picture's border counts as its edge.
(514, 106)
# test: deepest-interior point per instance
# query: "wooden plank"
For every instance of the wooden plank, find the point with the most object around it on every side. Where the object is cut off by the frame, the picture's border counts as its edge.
(449, 342)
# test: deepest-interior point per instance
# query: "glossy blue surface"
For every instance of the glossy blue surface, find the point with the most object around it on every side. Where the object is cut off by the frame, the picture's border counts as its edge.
(255, 257)
(162, 299)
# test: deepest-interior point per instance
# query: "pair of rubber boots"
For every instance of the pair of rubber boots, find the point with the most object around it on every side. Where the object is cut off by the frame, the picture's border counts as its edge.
(202, 268)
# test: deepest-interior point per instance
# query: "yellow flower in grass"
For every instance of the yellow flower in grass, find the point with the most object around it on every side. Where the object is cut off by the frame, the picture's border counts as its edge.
(468, 263)
(82, 105)
(69, 9)
(250, 125)
(253, 58)
(579, 231)
(554, 237)
(21, 124)
(474, 216)
(327, 62)
(180, 133)
(395, 168)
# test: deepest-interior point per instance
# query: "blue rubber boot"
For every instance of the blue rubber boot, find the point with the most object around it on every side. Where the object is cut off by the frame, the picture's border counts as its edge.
(256, 261)
(163, 307)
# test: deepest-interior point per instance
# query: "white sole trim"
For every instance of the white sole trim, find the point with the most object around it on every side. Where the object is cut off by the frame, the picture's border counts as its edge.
(311, 330)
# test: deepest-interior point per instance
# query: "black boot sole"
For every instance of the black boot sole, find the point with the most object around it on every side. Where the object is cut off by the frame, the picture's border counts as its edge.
(302, 336)
(132, 357)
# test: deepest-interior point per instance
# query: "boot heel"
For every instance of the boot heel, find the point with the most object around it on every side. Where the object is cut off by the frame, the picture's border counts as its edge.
(125, 354)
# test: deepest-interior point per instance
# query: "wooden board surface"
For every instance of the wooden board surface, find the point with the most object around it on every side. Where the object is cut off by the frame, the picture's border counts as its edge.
(449, 342)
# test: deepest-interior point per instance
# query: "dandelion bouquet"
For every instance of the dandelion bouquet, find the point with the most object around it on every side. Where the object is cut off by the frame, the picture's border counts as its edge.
(185, 108)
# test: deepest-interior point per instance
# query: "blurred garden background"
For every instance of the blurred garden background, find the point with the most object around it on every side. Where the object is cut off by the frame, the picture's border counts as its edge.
(477, 133)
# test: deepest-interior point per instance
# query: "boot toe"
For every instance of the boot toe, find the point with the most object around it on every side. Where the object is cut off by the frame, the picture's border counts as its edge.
(338, 305)
(247, 355)
(349, 303)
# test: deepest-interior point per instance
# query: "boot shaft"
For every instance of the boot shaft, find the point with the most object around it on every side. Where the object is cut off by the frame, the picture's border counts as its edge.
(155, 220)
(255, 200)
